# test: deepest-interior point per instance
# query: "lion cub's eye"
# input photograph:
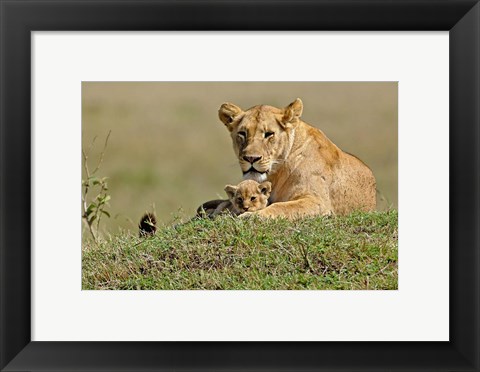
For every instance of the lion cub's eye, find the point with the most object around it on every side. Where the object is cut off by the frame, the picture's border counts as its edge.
(239, 200)
(269, 134)
(242, 134)
(253, 198)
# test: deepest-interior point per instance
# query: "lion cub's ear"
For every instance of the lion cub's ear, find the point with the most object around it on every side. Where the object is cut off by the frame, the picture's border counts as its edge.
(228, 112)
(292, 112)
(265, 188)
(230, 190)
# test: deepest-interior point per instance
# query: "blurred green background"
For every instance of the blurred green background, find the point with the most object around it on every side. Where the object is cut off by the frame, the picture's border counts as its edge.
(169, 152)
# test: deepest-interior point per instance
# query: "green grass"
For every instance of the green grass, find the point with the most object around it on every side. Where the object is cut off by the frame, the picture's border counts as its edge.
(359, 251)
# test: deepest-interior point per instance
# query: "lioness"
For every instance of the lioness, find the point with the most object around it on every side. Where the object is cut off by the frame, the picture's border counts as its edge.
(247, 196)
(309, 174)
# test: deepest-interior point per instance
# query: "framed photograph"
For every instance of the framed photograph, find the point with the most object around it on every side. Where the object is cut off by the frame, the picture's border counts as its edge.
(117, 123)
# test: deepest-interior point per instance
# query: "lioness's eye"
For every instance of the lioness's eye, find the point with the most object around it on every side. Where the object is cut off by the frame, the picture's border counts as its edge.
(253, 198)
(242, 134)
(269, 134)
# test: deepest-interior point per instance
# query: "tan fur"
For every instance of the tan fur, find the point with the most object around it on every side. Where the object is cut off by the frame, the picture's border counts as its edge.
(247, 196)
(309, 174)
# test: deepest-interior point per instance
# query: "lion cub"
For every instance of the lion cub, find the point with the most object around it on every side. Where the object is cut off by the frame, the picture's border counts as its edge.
(247, 196)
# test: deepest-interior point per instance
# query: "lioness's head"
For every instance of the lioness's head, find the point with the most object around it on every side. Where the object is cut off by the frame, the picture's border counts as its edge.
(249, 195)
(262, 135)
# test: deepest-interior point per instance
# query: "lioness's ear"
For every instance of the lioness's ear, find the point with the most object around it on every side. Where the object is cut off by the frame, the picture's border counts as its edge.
(228, 112)
(230, 190)
(292, 112)
(265, 188)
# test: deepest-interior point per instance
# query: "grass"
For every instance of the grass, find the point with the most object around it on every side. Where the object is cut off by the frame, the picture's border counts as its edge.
(359, 251)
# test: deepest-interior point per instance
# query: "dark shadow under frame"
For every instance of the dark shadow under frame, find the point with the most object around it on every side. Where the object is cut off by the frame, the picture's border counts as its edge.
(18, 18)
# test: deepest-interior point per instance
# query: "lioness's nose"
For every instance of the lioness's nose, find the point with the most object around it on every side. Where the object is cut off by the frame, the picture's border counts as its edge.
(252, 159)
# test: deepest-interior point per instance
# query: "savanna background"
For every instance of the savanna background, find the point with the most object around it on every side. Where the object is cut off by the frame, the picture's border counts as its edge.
(168, 152)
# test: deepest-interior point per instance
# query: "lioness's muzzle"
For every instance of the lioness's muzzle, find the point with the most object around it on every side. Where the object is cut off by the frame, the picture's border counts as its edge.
(253, 170)
(252, 159)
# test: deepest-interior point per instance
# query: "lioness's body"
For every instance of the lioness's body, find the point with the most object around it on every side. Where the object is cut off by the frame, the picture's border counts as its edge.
(309, 174)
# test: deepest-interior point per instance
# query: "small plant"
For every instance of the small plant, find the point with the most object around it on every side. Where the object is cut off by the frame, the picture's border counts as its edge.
(94, 208)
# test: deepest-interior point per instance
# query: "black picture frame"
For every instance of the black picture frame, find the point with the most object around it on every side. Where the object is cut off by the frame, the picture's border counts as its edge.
(18, 18)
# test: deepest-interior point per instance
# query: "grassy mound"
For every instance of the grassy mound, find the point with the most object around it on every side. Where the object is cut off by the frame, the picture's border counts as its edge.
(359, 251)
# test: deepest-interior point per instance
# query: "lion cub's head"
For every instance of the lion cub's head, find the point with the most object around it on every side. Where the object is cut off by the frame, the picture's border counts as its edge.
(262, 135)
(249, 196)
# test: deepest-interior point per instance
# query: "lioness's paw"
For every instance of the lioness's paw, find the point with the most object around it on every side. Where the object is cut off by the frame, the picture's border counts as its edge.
(246, 215)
